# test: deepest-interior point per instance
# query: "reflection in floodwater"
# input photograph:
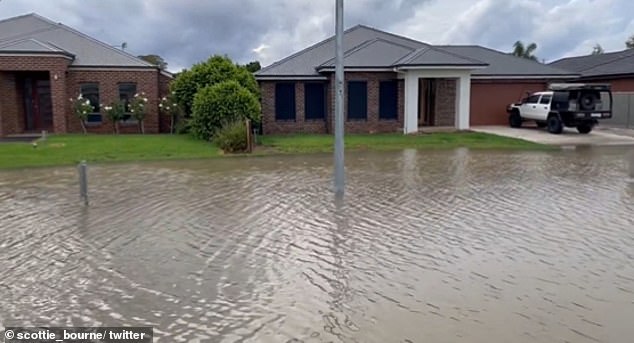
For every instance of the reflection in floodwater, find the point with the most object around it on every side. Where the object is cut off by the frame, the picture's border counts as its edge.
(451, 246)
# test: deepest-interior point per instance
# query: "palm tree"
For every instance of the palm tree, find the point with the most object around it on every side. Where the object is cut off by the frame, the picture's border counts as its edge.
(520, 50)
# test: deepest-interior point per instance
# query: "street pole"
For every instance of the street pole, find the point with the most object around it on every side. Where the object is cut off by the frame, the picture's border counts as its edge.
(339, 146)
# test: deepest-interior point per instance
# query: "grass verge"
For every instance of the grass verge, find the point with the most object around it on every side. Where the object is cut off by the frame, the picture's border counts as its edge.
(60, 150)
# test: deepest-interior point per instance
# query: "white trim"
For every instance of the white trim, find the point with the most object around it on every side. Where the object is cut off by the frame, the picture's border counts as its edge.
(406, 68)
(167, 74)
(290, 78)
(46, 54)
(359, 69)
(520, 77)
(80, 68)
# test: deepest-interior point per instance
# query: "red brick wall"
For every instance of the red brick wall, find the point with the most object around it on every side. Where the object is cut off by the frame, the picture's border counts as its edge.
(146, 81)
(10, 122)
(57, 67)
(445, 105)
(489, 98)
(300, 125)
(65, 84)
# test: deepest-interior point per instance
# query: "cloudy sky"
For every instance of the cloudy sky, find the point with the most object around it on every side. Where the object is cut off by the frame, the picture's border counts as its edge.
(187, 31)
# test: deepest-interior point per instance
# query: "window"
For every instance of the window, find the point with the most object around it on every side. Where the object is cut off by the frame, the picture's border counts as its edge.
(388, 100)
(90, 91)
(126, 93)
(545, 99)
(314, 101)
(357, 100)
(284, 101)
(533, 99)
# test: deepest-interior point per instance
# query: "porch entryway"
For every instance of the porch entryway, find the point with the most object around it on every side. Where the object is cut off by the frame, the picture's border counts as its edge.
(436, 98)
(37, 109)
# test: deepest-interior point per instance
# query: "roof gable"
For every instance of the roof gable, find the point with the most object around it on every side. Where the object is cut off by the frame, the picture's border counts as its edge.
(29, 45)
(304, 62)
(432, 56)
(377, 53)
(88, 51)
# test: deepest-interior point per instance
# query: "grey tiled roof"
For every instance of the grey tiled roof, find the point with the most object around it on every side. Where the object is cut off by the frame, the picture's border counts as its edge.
(504, 64)
(433, 56)
(33, 33)
(613, 63)
(373, 53)
(369, 47)
(29, 45)
(304, 62)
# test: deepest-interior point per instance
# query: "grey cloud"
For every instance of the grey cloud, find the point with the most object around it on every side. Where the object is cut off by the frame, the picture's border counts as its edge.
(188, 31)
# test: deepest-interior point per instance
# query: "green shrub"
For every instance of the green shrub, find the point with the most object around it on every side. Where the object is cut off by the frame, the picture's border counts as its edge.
(232, 137)
(222, 103)
(215, 70)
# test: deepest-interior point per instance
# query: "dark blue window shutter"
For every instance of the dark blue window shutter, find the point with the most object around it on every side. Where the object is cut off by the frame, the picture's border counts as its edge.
(388, 100)
(284, 101)
(357, 100)
(314, 101)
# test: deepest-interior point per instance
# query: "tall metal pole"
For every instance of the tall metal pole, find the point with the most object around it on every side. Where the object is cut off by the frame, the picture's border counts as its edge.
(339, 146)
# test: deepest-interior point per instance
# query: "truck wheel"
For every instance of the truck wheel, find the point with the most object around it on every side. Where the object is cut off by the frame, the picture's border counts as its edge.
(584, 128)
(541, 124)
(555, 125)
(515, 120)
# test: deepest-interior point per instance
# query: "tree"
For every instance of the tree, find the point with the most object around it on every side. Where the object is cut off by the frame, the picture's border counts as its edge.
(597, 50)
(215, 70)
(222, 103)
(253, 66)
(138, 109)
(154, 59)
(630, 42)
(520, 50)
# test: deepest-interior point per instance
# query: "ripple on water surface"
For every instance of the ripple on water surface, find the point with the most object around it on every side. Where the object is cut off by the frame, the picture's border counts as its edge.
(426, 247)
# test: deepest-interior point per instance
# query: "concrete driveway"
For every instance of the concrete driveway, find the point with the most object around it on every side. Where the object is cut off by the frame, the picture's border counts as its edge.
(600, 136)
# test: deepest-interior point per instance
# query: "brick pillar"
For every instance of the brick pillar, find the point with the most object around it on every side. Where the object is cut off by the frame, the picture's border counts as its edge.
(59, 100)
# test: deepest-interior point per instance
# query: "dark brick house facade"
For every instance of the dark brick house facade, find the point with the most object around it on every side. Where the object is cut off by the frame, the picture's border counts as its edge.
(43, 64)
(446, 86)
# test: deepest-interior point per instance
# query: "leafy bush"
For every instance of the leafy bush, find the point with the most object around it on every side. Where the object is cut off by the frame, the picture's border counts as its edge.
(138, 109)
(215, 70)
(232, 137)
(115, 112)
(81, 108)
(169, 107)
(221, 103)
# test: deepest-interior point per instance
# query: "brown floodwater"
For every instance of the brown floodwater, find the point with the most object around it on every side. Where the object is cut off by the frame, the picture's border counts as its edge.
(447, 246)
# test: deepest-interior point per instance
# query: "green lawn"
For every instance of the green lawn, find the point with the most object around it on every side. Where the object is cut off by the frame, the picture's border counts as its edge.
(324, 143)
(70, 149)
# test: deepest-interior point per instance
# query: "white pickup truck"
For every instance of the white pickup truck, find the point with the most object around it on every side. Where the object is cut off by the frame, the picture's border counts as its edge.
(570, 105)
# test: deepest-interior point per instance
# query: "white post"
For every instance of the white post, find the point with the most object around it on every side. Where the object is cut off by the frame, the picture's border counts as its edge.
(463, 102)
(339, 89)
(410, 122)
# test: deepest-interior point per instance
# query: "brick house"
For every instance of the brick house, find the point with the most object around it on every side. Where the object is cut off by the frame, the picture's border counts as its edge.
(396, 84)
(43, 64)
(615, 68)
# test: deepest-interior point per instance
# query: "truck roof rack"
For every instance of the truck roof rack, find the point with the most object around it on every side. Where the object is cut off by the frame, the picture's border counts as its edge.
(570, 86)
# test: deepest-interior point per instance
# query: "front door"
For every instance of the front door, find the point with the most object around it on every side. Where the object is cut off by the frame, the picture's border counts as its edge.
(426, 102)
(38, 109)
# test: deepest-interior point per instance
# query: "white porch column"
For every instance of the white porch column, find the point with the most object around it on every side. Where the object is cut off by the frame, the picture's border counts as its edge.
(463, 102)
(410, 122)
